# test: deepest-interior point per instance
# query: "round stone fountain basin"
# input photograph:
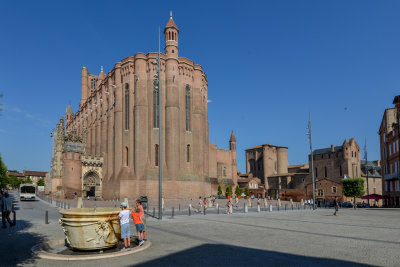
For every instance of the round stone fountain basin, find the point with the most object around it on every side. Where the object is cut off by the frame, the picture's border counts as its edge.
(89, 228)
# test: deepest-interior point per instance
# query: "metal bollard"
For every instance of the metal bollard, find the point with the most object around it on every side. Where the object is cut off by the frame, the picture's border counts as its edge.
(154, 212)
(15, 217)
(205, 210)
(46, 217)
(244, 207)
(285, 206)
(173, 211)
(69, 205)
(292, 206)
(179, 206)
(218, 209)
(189, 211)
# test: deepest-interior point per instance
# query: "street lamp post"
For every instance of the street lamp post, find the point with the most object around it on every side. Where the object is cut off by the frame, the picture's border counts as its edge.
(312, 158)
(366, 166)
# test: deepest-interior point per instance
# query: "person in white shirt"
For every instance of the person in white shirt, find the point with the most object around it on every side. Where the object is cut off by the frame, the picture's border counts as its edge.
(123, 218)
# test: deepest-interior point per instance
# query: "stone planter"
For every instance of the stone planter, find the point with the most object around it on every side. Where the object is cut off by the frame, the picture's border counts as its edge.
(89, 229)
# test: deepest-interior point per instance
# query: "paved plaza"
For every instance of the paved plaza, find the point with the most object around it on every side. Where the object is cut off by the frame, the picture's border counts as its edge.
(293, 238)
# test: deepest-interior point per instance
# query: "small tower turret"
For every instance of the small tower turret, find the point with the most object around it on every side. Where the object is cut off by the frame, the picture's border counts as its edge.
(171, 33)
(84, 85)
(232, 142)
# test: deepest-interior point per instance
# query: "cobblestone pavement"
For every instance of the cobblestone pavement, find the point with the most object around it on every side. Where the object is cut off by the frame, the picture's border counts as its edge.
(362, 237)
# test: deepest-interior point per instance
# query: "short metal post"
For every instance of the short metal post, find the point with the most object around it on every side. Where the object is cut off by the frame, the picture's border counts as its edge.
(173, 211)
(292, 206)
(154, 212)
(15, 217)
(205, 210)
(244, 207)
(179, 206)
(69, 205)
(46, 218)
(218, 209)
(189, 211)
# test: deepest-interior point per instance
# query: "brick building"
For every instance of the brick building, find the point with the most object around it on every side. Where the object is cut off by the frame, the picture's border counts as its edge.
(326, 191)
(270, 164)
(110, 145)
(389, 150)
(337, 162)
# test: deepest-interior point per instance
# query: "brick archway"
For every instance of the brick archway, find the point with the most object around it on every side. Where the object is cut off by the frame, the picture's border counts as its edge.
(91, 184)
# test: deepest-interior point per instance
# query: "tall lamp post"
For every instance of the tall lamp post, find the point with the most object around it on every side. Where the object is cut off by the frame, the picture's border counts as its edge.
(366, 165)
(312, 157)
(157, 87)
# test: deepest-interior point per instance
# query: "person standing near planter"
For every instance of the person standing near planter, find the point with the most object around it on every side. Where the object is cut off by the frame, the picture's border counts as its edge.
(142, 217)
(123, 218)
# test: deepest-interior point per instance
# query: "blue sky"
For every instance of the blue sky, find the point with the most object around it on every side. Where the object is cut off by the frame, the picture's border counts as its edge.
(268, 64)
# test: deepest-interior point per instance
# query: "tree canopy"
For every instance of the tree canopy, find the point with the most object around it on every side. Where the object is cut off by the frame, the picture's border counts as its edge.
(40, 182)
(3, 174)
(238, 191)
(353, 187)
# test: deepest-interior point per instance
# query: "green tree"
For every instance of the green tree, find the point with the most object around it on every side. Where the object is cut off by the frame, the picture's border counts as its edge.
(246, 191)
(238, 191)
(40, 182)
(228, 191)
(219, 190)
(28, 181)
(353, 187)
(3, 174)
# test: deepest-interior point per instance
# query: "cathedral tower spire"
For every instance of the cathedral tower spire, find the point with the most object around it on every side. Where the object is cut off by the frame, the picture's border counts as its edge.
(171, 33)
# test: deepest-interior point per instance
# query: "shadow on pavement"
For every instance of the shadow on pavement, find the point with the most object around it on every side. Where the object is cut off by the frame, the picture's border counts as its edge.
(16, 244)
(226, 255)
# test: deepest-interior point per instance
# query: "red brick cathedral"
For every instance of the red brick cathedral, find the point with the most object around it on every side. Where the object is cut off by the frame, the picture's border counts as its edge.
(109, 147)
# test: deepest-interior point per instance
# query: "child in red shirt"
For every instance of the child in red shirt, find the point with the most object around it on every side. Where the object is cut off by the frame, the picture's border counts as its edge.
(139, 224)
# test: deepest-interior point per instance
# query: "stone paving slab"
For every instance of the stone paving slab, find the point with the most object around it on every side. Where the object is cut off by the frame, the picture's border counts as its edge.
(363, 237)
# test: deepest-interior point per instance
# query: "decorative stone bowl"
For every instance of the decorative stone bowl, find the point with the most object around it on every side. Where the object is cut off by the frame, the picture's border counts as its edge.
(89, 228)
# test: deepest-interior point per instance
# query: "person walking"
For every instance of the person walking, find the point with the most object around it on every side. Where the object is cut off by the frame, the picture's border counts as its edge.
(6, 208)
(336, 206)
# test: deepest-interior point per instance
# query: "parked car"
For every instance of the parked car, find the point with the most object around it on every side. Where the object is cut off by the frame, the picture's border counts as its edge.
(347, 205)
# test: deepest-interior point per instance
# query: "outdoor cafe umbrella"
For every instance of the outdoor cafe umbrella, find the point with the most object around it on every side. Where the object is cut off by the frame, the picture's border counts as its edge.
(374, 196)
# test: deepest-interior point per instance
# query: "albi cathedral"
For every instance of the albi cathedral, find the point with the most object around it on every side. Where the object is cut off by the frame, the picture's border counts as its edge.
(109, 147)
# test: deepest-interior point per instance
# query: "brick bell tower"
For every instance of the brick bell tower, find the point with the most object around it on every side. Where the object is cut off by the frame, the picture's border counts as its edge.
(172, 111)
(171, 33)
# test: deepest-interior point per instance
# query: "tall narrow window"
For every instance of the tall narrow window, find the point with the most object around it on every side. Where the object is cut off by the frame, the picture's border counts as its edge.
(126, 156)
(316, 172)
(188, 153)
(326, 172)
(156, 156)
(187, 108)
(126, 106)
(340, 171)
(156, 118)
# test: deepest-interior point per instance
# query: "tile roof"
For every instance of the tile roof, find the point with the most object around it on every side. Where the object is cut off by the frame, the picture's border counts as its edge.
(327, 150)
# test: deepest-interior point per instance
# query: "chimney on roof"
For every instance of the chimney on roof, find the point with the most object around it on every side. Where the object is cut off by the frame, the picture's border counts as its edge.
(332, 148)
(378, 163)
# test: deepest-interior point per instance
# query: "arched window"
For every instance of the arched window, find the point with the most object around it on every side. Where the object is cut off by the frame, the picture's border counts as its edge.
(187, 108)
(126, 106)
(188, 153)
(156, 156)
(156, 118)
(126, 156)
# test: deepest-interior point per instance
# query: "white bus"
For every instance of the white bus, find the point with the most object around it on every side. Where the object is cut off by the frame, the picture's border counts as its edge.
(27, 192)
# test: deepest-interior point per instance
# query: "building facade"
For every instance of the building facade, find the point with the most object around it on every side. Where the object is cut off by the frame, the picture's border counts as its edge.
(337, 162)
(270, 164)
(389, 150)
(113, 148)
(371, 172)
